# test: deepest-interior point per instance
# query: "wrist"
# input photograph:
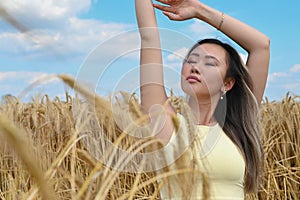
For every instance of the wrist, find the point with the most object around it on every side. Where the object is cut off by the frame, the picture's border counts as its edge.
(210, 15)
(202, 11)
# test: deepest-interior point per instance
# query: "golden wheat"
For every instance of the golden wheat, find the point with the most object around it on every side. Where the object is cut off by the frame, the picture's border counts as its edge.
(45, 153)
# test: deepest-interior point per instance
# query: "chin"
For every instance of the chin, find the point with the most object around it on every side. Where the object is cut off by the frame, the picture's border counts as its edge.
(189, 91)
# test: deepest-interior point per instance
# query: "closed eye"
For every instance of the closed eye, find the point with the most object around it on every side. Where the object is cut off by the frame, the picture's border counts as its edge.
(191, 62)
(210, 64)
(211, 60)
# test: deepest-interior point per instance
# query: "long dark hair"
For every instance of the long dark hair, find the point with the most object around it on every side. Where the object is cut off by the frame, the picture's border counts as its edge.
(238, 113)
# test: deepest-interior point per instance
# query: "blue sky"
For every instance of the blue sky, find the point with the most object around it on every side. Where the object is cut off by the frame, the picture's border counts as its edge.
(77, 37)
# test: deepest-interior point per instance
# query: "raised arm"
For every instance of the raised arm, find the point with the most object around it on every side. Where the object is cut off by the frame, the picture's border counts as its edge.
(254, 42)
(151, 70)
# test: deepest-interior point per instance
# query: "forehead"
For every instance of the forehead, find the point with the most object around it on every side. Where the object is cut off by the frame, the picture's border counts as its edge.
(211, 50)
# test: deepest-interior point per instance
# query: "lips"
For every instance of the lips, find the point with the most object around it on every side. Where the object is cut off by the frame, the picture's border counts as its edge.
(193, 79)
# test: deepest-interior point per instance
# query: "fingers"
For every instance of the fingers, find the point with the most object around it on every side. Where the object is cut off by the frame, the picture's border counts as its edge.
(172, 16)
(170, 2)
(163, 1)
(163, 8)
(168, 11)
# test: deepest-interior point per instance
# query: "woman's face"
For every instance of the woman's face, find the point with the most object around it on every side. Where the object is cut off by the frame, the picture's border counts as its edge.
(203, 72)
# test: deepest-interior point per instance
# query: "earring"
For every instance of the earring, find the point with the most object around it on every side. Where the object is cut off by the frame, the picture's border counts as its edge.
(224, 93)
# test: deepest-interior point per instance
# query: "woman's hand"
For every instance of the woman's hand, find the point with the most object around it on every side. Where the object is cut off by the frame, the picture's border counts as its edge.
(179, 10)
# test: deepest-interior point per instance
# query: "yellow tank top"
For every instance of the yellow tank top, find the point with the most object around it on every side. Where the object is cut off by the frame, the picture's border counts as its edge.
(217, 156)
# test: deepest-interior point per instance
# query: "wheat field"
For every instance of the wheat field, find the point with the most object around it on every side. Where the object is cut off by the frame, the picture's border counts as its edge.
(45, 154)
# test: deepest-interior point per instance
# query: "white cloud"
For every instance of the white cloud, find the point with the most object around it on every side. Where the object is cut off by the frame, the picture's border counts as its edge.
(78, 38)
(277, 75)
(279, 83)
(201, 29)
(295, 68)
(37, 10)
(53, 29)
(28, 84)
(27, 77)
(178, 55)
(282, 76)
(174, 59)
(292, 86)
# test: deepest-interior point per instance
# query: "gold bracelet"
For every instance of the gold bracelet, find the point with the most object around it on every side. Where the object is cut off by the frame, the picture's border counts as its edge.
(221, 22)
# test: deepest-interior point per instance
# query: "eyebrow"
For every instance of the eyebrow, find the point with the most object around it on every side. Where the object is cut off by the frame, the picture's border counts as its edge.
(195, 54)
(212, 57)
(206, 57)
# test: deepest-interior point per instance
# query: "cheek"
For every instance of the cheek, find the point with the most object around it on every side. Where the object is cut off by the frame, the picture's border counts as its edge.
(183, 69)
(184, 72)
(213, 80)
(184, 84)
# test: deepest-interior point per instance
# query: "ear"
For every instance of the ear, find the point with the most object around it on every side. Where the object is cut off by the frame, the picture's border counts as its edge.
(229, 83)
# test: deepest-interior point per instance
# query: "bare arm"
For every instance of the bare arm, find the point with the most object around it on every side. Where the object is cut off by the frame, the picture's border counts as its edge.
(254, 42)
(151, 70)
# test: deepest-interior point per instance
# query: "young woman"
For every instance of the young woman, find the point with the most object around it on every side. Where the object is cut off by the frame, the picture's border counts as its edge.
(223, 92)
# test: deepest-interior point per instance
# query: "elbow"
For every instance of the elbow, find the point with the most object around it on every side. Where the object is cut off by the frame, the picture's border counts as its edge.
(266, 43)
(262, 45)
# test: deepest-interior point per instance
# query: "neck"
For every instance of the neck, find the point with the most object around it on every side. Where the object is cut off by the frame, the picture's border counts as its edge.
(203, 110)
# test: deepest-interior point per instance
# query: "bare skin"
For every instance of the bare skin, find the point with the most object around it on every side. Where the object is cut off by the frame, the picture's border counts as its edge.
(151, 72)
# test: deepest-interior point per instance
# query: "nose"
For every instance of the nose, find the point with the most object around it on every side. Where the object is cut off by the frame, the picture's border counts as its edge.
(194, 70)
